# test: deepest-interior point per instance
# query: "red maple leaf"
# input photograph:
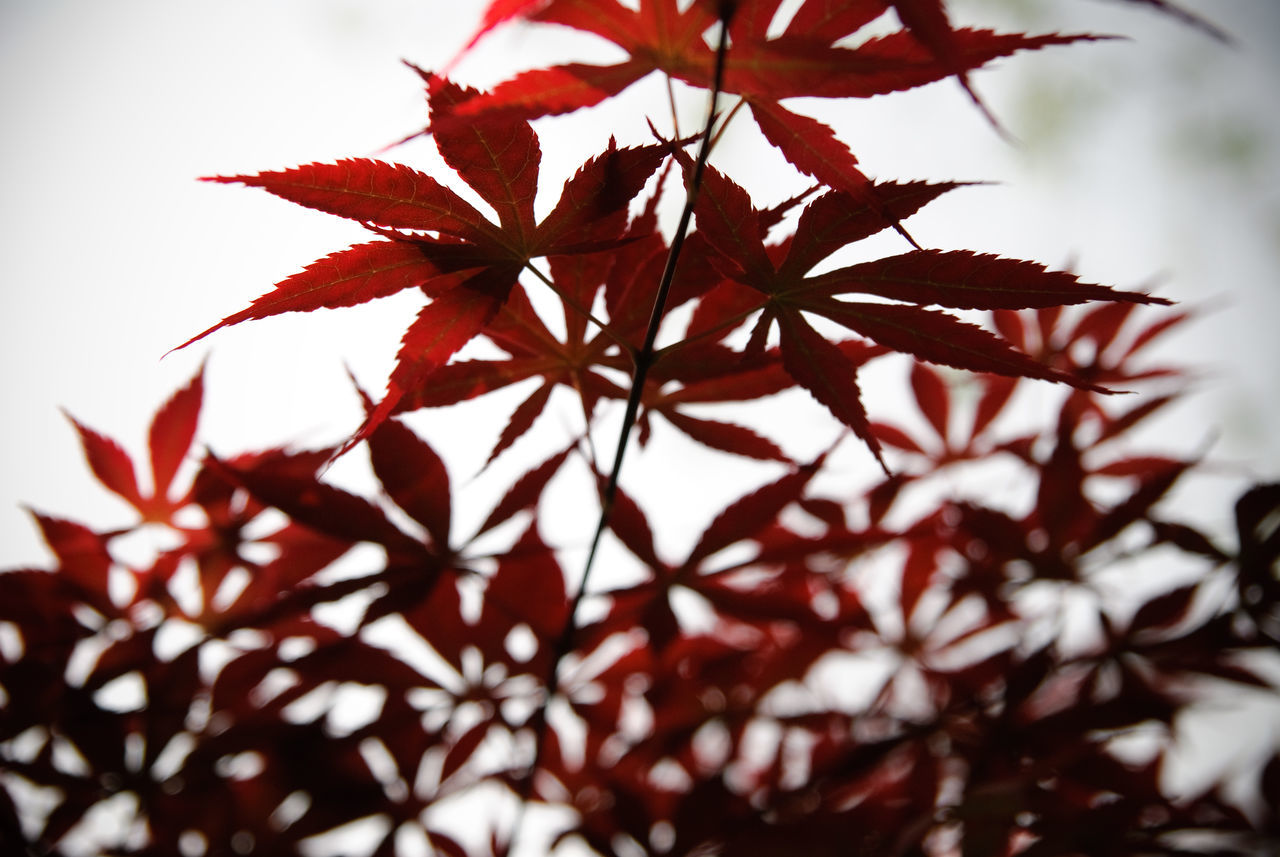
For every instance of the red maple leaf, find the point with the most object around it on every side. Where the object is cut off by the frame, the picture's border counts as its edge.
(438, 242)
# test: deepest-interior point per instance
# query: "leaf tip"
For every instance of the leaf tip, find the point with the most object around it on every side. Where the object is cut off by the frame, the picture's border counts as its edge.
(223, 179)
(194, 339)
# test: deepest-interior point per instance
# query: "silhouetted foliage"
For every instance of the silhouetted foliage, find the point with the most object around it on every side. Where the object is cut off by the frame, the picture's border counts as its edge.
(836, 666)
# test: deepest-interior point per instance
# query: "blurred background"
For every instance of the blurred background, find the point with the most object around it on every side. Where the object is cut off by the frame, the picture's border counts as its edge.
(1150, 162)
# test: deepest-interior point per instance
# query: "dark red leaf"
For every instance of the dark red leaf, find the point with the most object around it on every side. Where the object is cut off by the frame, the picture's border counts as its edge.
(724, 308)
(940, 338)
(463, 380)
(1062, 505)
(525, 492)
(933, 398)
(837, 219)
(917, 573)
(529, 587)
(110, 463)
(731, 225)
(498, 158)
(833, 21)
(726, 437)
(1102, 324)
(464, 747)
(172, 431)
(1154, 330)
(593, 206)
(1188, 539)
(413, 476)
(996, 392)
(823, 369)
(1164, 610)
(927, 21)
(814, 149)
(353, 276)
(629, 524)
(745, 517)
(554, 90)
(497, 12)
(441, 328)
(964, 280)
(897, 62)
(320, 506)
(388, 195)
(522, 419)
(82, 555)
(881, 498)
(894, 436)
(1011, 325)
(1155, 478)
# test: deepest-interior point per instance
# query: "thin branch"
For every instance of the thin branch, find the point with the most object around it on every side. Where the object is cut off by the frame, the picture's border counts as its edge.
(592, 455)
(675, 117)
(733, 111)
(644, 359)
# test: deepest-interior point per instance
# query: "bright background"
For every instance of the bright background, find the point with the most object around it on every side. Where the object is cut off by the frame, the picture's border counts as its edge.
(1153, 162)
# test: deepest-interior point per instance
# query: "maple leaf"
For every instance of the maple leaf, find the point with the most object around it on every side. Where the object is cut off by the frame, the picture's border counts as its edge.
(169, 440)
(956, 280)
(942, 445)
(441, 244)
(782, 586)
(762, 70)
(928, 22)
(582, 358)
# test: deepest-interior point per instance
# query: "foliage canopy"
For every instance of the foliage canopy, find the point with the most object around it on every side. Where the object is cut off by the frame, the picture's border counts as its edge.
(878, 669)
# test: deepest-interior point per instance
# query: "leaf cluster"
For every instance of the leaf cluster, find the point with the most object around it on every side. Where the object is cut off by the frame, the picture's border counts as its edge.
(880, 665)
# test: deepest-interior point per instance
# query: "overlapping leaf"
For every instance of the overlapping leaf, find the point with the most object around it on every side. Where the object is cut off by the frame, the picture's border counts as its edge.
(954, 280)
(437, 241)
(805, 60)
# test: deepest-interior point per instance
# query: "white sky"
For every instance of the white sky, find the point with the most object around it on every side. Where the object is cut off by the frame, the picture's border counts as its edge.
(114, 253)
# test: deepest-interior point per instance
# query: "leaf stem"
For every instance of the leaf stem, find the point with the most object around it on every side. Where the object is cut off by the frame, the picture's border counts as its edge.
(733, 111)
(675, 117)
(727, 324)
(592, 455)
(576, 305)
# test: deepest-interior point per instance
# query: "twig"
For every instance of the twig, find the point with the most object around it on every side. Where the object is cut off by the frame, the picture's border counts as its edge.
(644, 359)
